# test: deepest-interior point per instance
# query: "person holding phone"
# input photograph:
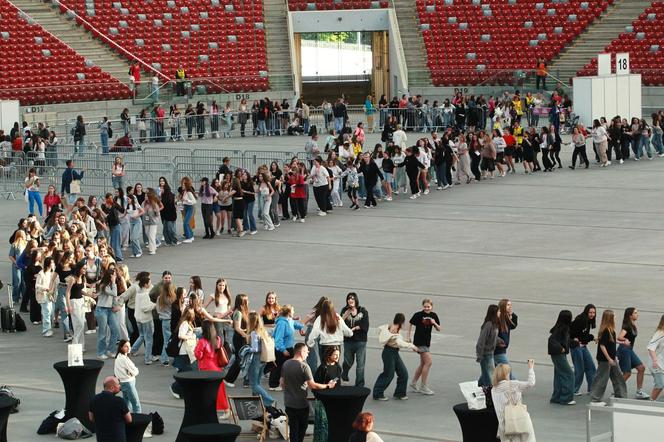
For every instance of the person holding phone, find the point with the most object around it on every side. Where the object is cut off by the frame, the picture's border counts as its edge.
(328, 371)
(424, 321)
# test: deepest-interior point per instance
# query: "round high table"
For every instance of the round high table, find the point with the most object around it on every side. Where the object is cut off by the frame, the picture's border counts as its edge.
(199, 391)
(342, 405)
(80, 383)
(135, 430)
(211, 433)
(6, 403)
(477, 425)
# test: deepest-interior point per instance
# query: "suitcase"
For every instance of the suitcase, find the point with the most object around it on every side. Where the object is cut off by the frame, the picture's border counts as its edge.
(8, 314)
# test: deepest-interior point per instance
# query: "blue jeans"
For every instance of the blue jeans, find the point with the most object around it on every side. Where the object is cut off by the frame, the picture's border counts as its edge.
(644, 144)
(338, 123)
(362, 191)
(249, 220)
(261, 127)
(188, 214)
(255, 372)
(154, 91)
(79, 146)
(130, 396)
(104, 143)
(563, 380)
(170, 236)
(166, 333)
(583, 364)
(486, 365)
(17, 282)
(35, 198)
(441, 176)
(116, 241)
(135, 235)
(117, 182)
(657, 142)
(501, 358)
(145, 330)
(60, 303)
(47, 315)
(391, 363)
(106, 318)
(355, 351)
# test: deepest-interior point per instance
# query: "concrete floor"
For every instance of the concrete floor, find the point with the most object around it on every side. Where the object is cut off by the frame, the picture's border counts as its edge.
(547, 241)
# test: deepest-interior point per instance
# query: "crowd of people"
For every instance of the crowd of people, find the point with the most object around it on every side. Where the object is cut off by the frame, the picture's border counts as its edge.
(68, 266)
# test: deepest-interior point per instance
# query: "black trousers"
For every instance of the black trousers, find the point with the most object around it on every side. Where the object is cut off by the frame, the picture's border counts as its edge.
(299, 210)
(283, 200)
(624, 144)
(157, 336)
(275, 374)
(371, 198)
(206, 211)
(448, 172)
(298, 420)
(555, 156)
(546, 162)
(580, 151)
(541, 79)
(475, 166)
(617, 148)
(320, 194)
(234, 370)
(134, 326)
(412, 178)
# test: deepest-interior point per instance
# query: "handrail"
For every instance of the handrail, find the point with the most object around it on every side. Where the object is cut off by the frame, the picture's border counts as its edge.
(111, 42)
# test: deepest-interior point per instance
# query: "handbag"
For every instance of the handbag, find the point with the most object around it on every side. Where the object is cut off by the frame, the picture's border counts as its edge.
(75, 185)
(517, 419)
(222, 356)
(267, 349)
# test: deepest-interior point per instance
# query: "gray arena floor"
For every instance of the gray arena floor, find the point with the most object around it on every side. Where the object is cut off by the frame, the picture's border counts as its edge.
(547, 241)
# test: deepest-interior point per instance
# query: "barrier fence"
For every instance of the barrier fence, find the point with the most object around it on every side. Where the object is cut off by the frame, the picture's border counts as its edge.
(145, 166)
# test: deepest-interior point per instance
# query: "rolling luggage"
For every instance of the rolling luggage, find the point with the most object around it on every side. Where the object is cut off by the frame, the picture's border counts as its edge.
(8, 314)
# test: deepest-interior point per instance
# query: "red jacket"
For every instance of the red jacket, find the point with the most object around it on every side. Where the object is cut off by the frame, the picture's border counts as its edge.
(297, 186)
(206, 356)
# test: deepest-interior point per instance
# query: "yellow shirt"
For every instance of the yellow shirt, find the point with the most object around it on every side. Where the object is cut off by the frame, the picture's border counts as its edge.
(518, 133)
(357, 149)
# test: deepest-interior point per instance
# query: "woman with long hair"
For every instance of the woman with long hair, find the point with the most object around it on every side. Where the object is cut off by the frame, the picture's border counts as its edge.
(506, 391)
(75, 304)
(601, 140)
(580, 337)
(356, 318)
(627, 358)
(31, 184)
(126, 371)
(390, 338)
(249, 196)
(206, 354)
(257, 336)
(363, 426)
(165, 300)
(607, 366)
(329, 370)
(187, 197)
(656, 360)
(558, 347)
(187, 343)
(168, 212)
(222, 300)
(45, 292)
(270, 311)
(328, 328)
(508, 321)
(423, 321)
(134, 212)
(152, 216)
(240, 319)
(237, 193)
(486, 344)
(207, 194)
(312, 359)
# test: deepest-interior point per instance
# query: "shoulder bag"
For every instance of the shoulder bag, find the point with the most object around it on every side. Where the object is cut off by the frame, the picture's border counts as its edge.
(75, 185)
(517, 419)
(222, 356)
(267, 349)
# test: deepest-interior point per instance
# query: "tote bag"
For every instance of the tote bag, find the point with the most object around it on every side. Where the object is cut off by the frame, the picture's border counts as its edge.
(517, 419)
(267, 349)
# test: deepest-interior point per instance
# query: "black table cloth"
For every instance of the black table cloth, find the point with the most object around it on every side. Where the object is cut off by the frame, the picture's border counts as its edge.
(136, 429)
(211, 433)
(477, 425)
(199, 391)
(80, 383)
(342, 405)
(6, 403)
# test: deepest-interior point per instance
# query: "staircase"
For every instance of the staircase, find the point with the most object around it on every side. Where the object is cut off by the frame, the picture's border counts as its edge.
(419, 74)
(606, 28)
(77, 38)
(280, 72)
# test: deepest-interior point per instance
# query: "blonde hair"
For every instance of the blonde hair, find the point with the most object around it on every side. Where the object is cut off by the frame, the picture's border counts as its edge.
(608, 324)
(501, 373)
(255, 324)
(660, 327)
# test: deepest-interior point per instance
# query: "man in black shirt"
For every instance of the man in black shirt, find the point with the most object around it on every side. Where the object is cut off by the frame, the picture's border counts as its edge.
(109, 413)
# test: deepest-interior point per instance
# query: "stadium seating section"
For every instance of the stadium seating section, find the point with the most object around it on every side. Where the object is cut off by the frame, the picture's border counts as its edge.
(209, 39)
(644, 41)
(310, 5)
(473, 41)
(34, 61)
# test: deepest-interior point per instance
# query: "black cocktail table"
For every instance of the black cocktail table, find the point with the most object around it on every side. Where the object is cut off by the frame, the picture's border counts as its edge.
(6, 403)
(342, 405)
(199, 391)
(211, 433)
(136, 429)
(80, 383)
(477, 425)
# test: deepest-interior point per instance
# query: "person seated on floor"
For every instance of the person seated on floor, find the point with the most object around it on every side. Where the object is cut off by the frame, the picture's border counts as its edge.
(295, 127)
(123, 144)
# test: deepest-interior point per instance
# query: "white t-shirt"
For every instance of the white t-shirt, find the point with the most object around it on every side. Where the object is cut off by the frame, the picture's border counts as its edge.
(223, 304)
(319, 176)
(183, 331)
(656, 344)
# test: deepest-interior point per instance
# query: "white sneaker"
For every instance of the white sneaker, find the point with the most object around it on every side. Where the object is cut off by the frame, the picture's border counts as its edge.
(640, 394)
(253, 232)
(241, 234)
(276, 389)
(426, 390)
(622, 161)
(229, 384)
(175, 395)
(598, 404)
(301, 220)
(608, 163)
(396, 192)
(439, 188)
(102, 357)
(571, 403)
(413, 386)
(48, 334)
(270, 228)
(426, 192)
(388, 199)
(578, 393)
(90, 332)
(188, 241)
(413, 197)
(446, 186)
(322, 213)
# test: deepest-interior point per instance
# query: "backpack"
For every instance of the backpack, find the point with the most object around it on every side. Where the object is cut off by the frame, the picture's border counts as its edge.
(73, 429)
(6, 390)
(157, 423)
(50, 424)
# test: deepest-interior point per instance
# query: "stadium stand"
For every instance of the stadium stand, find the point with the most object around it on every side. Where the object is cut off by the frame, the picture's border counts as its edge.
(304, 5)
(473, 41)
(644, 40)
(223, 43)
(35, 61)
